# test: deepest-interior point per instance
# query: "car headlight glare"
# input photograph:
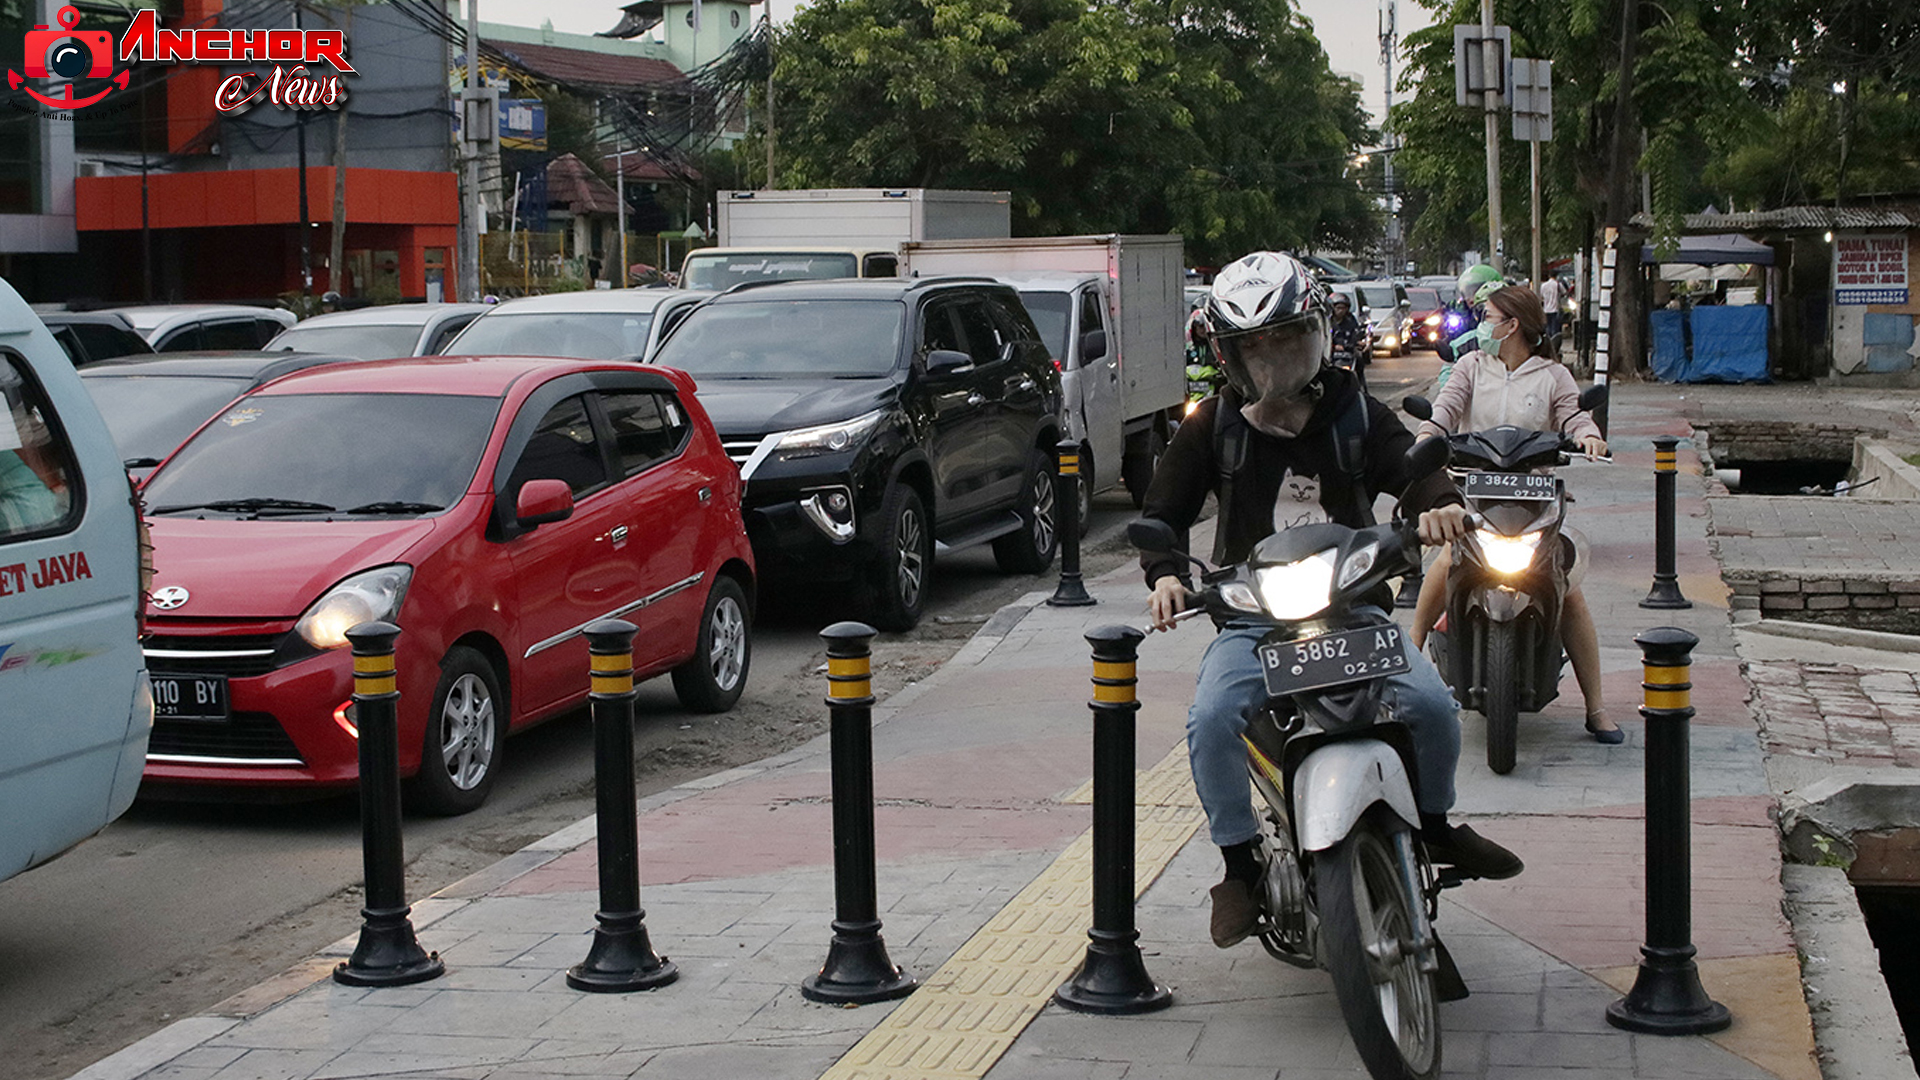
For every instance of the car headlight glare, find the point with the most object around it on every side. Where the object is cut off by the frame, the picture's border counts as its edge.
(1297, 590)
(365, 597)
(828, 438)
(1510, 554)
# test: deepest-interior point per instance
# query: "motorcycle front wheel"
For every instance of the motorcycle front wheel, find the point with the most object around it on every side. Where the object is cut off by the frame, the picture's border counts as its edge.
(1366, 935)
(1501, 705)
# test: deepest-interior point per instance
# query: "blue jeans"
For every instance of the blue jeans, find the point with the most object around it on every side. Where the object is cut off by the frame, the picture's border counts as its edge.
(1229, 689)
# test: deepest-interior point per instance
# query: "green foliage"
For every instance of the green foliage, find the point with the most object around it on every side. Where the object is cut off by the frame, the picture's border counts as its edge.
(1215, 118)
(1736, 100)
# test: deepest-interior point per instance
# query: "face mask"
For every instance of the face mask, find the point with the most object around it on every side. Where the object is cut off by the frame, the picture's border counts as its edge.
(1483, 338)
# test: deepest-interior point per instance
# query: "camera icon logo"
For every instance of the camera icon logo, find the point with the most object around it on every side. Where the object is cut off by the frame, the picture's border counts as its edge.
(67, 55)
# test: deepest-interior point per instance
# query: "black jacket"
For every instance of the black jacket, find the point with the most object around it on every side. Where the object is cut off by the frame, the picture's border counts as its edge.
(1283, 481)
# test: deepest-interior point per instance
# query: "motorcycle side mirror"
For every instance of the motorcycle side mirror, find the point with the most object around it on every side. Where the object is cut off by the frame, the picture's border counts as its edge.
(1417, 407)
(1593, 397)
(1149, 535)
(1428, 456)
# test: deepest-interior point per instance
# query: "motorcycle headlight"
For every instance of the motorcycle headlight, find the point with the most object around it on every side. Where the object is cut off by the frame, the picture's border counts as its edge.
(1297, 590)
(1509, 554)
(828, 438)
(365, 597)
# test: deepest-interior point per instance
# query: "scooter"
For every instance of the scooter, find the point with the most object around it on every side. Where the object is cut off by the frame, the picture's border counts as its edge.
(1347, 883)
(1498, 642)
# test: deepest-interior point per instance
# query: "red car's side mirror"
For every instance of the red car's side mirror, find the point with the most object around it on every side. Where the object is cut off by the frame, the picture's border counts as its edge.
(542, 502)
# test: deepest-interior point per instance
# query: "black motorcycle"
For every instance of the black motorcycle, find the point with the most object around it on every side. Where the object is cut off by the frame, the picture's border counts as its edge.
(1498, 643)
(1347, 884)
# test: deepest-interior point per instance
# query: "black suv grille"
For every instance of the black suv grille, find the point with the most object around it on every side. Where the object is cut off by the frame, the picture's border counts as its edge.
(740, 449)
(238, 656)
(247, 736)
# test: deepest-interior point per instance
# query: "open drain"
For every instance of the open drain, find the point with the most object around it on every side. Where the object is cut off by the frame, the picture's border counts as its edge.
(1796, 476)
(1893, 920)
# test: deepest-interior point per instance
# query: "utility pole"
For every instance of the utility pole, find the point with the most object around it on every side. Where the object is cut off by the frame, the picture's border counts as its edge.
(1491, 52)
(619, 160)
(768, 22)
(306, 219)
(470, 208)
(1389, 40)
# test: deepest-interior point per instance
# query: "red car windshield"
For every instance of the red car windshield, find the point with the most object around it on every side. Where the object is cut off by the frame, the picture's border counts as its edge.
(278, 453)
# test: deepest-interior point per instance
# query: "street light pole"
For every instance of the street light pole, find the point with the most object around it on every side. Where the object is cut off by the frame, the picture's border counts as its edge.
(1495, 78)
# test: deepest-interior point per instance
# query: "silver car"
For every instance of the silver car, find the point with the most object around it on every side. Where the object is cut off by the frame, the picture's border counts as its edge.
(603, 324)
(380, 332)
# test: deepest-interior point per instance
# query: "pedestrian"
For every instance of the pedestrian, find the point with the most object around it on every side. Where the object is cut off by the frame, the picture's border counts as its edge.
(1310, 445)
(1525, 387)
(1553, 296)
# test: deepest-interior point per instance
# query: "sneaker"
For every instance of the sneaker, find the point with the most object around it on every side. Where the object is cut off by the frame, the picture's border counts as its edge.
(1234, 913)
(1471, 854)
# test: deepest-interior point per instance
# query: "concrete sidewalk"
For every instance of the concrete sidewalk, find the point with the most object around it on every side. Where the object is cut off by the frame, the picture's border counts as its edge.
(982, 822)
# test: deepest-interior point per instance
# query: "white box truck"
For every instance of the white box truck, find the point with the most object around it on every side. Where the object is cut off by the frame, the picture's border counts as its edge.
(834, 232)
(1112, 310)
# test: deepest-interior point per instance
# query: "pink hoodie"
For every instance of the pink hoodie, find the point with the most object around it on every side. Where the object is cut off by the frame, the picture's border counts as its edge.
(1539, 395)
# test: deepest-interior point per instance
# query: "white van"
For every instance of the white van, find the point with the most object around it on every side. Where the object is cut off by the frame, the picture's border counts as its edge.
(75, 703)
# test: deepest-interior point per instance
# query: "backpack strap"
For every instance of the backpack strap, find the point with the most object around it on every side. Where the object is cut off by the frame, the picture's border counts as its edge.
(1229, 455)
(1350, 452)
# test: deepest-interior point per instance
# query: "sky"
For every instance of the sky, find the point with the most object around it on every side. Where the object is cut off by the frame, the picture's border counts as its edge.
(1348, 29)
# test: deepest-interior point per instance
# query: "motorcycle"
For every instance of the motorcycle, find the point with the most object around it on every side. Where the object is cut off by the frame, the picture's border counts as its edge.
(1498, 642)
(1347, 885)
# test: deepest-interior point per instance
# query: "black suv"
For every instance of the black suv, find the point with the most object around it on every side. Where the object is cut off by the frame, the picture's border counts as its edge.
(876, 418)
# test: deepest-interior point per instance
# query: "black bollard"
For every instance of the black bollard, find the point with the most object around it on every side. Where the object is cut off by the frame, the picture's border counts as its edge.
(857, 970)
(387, 954)
(1071, 592)
(621, 957)
(1667, 998)
(1113, 978)
(1666, 584)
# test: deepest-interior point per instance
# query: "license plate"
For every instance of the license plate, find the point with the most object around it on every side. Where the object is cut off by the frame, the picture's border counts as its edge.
(1199, 388)
(190, 697)
(1293, 667)
(1496, 485)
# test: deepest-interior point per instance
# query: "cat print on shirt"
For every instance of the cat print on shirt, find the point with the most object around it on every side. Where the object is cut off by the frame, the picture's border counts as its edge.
(1298, 502)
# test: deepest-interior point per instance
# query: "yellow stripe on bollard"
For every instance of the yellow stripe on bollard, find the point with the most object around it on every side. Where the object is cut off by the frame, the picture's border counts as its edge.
(861, 666)
(1109, 669)
(1663, 462)
(610, 673)
(373, 665)
(1667, 687)
(1113, 681)
(846, 689)
(374, 674)
(1069, 465)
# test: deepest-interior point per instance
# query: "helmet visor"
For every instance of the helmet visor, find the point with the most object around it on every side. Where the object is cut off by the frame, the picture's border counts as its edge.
(1274, 361)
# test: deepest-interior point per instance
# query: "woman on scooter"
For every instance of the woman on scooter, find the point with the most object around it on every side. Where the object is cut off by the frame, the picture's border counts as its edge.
(1519, 383)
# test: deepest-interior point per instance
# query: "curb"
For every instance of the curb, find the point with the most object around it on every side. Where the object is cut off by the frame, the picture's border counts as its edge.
(1878, 640)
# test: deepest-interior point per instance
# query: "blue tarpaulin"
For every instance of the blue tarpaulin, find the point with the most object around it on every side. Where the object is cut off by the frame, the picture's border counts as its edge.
(1729, 344)
(1669, 341)
(1710, 343)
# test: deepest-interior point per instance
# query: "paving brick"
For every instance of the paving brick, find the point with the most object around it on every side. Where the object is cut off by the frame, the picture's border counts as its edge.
(1826, 602)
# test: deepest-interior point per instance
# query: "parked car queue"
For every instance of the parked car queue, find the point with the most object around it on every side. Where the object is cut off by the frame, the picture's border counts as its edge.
(882, 423)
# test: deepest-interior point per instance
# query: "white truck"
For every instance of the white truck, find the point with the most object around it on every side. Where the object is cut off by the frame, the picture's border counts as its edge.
(834, 232)
(1112, 310)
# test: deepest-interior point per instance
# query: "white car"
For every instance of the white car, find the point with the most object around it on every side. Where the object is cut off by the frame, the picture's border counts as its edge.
(603, 324)
(192, 327)
(380, 332)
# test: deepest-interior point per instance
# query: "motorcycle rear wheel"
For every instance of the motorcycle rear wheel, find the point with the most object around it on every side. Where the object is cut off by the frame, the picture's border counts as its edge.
(1366, 936)
(1501, 706)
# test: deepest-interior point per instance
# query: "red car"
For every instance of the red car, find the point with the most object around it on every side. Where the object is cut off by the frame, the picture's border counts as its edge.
(490, 507)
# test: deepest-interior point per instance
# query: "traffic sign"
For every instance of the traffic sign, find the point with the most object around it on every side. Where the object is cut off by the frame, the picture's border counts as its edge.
(1471, 80)
(1532, 100)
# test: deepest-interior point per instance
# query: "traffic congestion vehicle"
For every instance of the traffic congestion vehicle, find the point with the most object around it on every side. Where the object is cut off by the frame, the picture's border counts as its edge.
(75, 703)
(492, 507)
(379, 332)
(876, 421)
(602, 324)
(1428, 313)
(152, 403)
(92, 336)
(188, 327)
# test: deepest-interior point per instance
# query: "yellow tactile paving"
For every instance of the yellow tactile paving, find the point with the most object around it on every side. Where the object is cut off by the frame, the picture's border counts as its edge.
(971, 1010)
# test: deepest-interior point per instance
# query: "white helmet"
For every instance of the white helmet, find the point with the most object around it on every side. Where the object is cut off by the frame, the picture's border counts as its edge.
(1255, 296)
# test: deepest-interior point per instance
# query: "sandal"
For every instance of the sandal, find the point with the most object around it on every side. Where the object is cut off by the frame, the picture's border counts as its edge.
(1608, 736)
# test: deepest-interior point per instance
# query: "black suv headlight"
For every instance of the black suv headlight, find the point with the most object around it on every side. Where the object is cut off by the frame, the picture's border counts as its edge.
(828, 438)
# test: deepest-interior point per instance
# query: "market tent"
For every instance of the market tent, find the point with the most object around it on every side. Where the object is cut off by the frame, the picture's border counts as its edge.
(1712, 251)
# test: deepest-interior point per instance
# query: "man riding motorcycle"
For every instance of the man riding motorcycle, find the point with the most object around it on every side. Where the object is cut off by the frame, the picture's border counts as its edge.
(1292, 440)
(1350, 345)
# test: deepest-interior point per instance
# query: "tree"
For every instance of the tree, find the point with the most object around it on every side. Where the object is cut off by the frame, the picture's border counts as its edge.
(1218, 119)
